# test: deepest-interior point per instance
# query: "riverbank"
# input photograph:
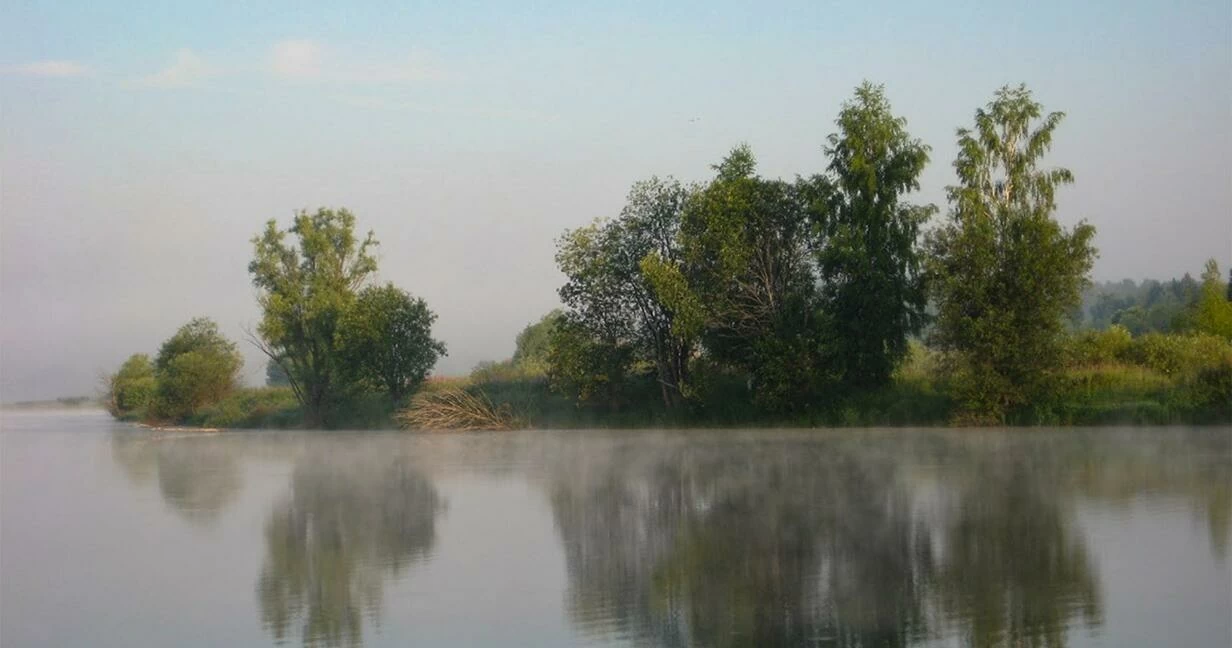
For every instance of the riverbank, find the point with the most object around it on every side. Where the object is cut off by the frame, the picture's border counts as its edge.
(1102, 395)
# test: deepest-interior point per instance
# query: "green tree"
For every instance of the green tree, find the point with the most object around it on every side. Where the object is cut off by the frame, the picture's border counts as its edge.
(1213, 312)
(385, 339)
(747, 282)
(610, 294)
(588, 367)
(1004, 273)
(275, 376)
(131, 389)
(534, 342)
(195, 367)
(304, 291)
(870, 263)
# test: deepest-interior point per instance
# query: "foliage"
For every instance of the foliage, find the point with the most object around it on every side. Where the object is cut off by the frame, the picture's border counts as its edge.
(275, 376)
(1213, 312)
(611, 295)
(262, 407)
(1147, 307)
(1004, 273)
(195, 367)
(869, 263)
(304, 291)
(532, 345)
(130, 390)
(586, 367)
(1098, 347)
(385, 340)
(747, 268)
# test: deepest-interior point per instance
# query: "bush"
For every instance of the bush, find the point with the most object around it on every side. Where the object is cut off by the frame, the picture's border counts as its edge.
(195, 367)
(1098, 347)
(131, 389)
(1177, 355)
(258, 407)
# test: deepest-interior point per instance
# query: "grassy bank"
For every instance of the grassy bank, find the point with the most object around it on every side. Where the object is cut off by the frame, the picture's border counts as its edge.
(1110, 377)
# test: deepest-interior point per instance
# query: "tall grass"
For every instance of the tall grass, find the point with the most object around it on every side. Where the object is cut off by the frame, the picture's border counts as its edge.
(458, 409)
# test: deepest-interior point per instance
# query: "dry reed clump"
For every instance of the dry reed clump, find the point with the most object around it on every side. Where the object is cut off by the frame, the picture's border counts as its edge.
(458, 409)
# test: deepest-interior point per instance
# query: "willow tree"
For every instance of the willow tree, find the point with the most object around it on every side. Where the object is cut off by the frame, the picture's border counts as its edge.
(304, 290)
(1003, 271)
(872, 285)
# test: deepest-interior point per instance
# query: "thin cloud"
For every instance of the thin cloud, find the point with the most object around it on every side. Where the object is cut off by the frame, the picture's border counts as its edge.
(306, 60)
(50, 69)
(298, 60)
(186, 70)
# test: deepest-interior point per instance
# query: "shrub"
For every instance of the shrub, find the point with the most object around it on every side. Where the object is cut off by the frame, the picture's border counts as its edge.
(131, 389)
(1176, 355)
(195, 367)
(1098, 347)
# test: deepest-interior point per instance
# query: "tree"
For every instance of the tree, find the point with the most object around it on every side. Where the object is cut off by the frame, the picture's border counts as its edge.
(872, 287)
(610, 293)
(534, 342)
(275, 376)
(385, 339)
(303, 293)
(586, 366)
(195, 367)
(1004, 273)
(131, 389)
(1213, 312)
(746, 282)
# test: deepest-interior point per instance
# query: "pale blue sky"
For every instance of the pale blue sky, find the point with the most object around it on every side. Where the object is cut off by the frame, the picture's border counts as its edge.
(142, 143)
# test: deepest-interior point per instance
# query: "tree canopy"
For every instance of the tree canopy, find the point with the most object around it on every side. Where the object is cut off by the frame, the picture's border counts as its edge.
(1004, 272)
(305, 288)
(194, 367)
(385, 340)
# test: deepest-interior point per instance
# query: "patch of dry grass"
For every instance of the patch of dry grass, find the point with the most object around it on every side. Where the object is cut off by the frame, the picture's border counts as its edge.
(458, 409)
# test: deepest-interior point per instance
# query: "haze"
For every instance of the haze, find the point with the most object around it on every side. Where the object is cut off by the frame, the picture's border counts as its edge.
(142, 145)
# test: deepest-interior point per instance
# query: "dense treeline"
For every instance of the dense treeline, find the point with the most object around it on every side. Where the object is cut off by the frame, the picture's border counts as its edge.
(827, 298)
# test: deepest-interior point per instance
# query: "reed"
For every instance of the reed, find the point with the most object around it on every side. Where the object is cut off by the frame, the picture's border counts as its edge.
(458, 409)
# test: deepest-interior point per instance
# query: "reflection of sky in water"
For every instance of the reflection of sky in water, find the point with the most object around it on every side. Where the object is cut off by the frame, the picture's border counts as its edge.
(556, 539)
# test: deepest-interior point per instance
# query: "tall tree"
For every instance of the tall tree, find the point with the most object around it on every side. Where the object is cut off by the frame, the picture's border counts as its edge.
(747, 281)
(195, 367)
(303, 292)
(870, 264)
(1213, 312)
(1003, 272)
(385, 339)
(609, 293)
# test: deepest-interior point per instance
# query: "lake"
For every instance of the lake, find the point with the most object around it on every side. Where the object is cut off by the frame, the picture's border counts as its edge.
(112, 535)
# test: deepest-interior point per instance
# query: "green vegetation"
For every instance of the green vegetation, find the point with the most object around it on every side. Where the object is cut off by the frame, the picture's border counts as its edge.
(745, 300)
(339, 354)
(1003, 272)
(195, 367)
(749, 300)
(129, 391)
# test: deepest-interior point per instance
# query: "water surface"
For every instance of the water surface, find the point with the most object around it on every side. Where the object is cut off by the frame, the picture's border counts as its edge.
(115, 536)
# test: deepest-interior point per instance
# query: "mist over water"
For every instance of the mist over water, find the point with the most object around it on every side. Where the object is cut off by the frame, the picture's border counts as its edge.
(116, 536)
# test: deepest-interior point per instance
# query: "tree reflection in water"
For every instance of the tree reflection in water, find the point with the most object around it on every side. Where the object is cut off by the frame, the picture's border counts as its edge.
(831, 542)
(349, 523)
(197, 476)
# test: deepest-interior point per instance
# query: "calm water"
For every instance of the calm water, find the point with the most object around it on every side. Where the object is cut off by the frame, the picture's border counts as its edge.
(113, 536)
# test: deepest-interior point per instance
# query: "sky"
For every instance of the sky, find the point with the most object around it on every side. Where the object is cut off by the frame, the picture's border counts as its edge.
(144, 144)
